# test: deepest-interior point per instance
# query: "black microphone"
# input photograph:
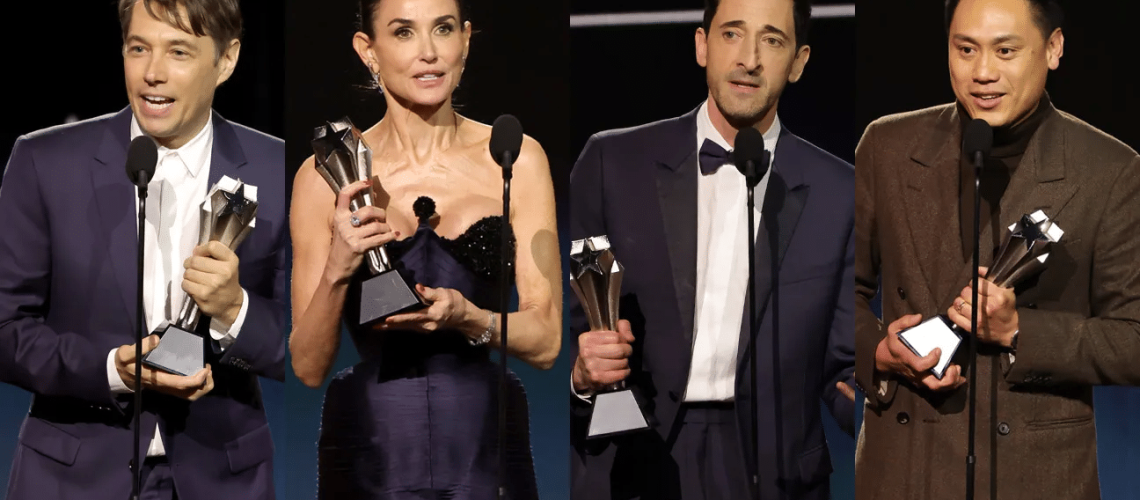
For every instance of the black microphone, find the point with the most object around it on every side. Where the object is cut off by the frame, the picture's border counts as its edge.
(142, 157)
(976, 143)
(506, 141)
(752, 160)
(977, 140)
(750, 156)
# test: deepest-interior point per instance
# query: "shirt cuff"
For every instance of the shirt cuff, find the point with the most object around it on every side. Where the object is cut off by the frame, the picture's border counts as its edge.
(225, 334)
(113, 378)
(584, 397)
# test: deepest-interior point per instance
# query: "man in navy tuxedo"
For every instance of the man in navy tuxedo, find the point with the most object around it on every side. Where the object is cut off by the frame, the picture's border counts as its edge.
(673, 206)
(68, 279)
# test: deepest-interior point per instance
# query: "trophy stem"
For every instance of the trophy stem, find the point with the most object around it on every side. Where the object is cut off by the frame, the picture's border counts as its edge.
(377, 260)
(188, 315)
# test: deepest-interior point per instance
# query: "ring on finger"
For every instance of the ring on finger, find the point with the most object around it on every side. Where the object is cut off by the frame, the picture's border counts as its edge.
(355, 220)
(958, 305)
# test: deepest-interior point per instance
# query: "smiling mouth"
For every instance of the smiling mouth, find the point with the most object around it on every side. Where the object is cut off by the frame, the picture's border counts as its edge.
(748, 85)
(157, 102)
(987, 97)
(429, 77)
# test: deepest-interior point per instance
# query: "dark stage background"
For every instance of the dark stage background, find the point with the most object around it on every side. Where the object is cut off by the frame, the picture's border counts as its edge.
(516, 65)
(64, 62)
(629, 75)
(903, 66)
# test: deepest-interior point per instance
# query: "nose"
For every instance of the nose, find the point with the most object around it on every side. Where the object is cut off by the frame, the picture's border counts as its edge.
(155, 70)
(427, 50)
(985, 68)
(750, 55)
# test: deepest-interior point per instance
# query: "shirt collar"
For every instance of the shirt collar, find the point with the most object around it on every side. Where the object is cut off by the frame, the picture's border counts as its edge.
(706, 130)
(193, 154)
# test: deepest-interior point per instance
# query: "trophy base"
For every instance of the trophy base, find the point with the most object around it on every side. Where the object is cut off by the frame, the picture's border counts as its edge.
(386, 294)
(180, 352)
(938, 331)
(616, 413)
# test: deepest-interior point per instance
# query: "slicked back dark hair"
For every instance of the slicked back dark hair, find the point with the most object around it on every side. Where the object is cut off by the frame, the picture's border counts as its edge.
(801, 15)
(219, 19)
(1047, 15)
(367, 15)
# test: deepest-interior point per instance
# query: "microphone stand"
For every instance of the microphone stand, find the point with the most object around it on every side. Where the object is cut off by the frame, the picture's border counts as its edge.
(504, 304)
(971, 460)
(753, 319)
(136, 465)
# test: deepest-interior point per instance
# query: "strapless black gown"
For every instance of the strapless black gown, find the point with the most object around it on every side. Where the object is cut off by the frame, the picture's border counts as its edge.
(418, 417)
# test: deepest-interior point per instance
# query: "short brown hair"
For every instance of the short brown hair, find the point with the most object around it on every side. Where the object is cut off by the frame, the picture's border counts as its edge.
(220, 19)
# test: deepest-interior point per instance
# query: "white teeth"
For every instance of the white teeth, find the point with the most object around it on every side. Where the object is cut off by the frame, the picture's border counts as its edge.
(158, 100)
(428, 77)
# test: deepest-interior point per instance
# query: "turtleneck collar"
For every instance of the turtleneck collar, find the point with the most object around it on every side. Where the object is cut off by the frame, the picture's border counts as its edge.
(1012, 140)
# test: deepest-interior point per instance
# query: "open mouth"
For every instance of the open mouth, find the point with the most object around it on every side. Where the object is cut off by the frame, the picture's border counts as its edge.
(745, 85)
(429, 76)
(157, 103)
(987, 100)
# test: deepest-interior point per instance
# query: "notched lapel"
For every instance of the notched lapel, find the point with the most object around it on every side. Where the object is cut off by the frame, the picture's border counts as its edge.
(931, 202)
(115, 198)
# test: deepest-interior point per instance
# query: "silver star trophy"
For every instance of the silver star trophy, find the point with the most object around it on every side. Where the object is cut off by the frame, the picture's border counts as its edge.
(1021, 255)
(342, 158)
(227, 216)
(595, 276)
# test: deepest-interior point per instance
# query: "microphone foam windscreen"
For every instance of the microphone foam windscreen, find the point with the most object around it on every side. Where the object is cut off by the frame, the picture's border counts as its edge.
(141, 157)
(978, 137)
(506, 136)
(749, 146)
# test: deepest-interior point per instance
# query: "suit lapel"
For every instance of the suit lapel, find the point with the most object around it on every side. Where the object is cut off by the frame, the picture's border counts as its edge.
(784, 201)
(115, 199)
(227, 156)
(1038, 183)
(677, 194)
(931, 206)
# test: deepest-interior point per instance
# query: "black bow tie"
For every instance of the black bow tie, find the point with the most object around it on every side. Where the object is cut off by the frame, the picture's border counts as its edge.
(712, 157)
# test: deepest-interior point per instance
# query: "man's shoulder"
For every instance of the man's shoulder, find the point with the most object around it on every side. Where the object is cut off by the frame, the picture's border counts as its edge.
(250, 137)
(915, 122)
(1089, 141)
(827, 163)
(649, 137)
(71, 136)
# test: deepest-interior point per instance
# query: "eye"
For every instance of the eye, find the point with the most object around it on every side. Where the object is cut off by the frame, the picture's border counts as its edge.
(1005, 52)
(136, 49)
(403, 33)
(731, 35)
(444, 29)
(966, 50)
(179, 53)
(774, 41)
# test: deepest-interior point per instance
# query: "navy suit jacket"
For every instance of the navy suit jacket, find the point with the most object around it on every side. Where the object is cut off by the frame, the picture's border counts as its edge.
(68, 284)
(639, 186)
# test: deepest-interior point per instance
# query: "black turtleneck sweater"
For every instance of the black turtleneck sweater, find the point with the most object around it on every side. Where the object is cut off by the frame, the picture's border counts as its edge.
(1009, 147)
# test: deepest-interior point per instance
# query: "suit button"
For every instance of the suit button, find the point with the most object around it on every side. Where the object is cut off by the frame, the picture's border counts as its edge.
(902, 293)
(1031, 305)
(902, 417)
(1003, 429)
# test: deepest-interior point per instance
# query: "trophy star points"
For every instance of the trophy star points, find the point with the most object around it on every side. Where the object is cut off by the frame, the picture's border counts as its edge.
(236, 202)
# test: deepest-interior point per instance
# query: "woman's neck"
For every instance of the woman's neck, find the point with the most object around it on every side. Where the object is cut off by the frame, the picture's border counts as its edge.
(420, 132)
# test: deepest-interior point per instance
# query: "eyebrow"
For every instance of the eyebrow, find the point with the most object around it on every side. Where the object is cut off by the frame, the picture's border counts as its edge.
(767, 28)
(995, 41)
(408, 22)
(173, 42)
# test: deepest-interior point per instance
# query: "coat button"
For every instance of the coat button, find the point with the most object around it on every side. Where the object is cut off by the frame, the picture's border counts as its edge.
(1003, 429)
(902, 293)
(1031, 305)
(902, 417)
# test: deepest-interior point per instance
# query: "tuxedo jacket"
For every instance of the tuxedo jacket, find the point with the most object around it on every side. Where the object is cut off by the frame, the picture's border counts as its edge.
(1079, 320)
(639, 187)
(68, 295)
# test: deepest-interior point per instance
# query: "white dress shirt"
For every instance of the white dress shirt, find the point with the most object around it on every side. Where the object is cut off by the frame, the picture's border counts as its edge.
(722, 268)
(174, 201)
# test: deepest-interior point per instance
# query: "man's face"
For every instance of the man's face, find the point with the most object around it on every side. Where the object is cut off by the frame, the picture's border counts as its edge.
(749, 55)
(171, 76)
(999, 59)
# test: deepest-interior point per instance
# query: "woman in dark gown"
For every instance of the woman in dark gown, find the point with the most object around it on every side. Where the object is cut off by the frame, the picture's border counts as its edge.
(417, 417)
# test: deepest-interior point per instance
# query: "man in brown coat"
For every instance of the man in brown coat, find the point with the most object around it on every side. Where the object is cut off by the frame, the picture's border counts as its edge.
(1044, 344)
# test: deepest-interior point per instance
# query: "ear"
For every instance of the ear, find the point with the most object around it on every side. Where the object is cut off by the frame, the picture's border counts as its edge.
(702, 45)
(363, 46)
(228, 61)
(1055, 48)
(466, 38)
(802, 55)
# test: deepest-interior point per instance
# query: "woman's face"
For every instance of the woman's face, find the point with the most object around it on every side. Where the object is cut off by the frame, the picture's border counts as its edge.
(418, 50)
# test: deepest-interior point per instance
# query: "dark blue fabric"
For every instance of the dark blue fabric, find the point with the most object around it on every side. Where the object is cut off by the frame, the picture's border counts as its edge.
(417, 418)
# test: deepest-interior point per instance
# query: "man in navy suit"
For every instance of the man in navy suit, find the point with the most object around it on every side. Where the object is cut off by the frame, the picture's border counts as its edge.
(68, 279)
(673, 206)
